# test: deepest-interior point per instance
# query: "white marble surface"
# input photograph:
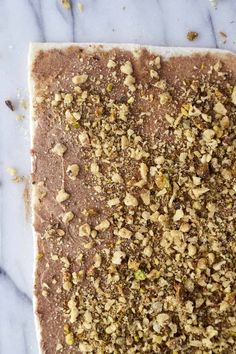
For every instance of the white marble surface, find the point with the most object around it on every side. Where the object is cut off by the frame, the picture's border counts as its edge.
(157, 22)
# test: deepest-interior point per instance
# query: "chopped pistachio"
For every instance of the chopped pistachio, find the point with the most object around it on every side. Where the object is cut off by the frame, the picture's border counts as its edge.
(179, 214)
(79, 79)
(111, 329)
(233, 96)
(140, 275)
(112, 202)
(111, 64)
(143, 171)
(127, 68)
(118, 256)
(109, 87)
(62, 196)
(68, 99)
(69, 339)
(84, 230)
(116, 178)
(164, 98)
(124, 233)
(72, 171)
(59, 149)
(67, 217)
(220, 108)
(130, 200)
(104, 225)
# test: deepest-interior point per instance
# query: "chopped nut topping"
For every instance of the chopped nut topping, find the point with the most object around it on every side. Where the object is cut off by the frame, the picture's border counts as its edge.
(94, 168)
(68, 99)
(192, 250)
(148, 251)
(199, 191)
(62, 196)
(118, 257)
(84, 139)
(72, 171)
(220, 108)
(233, 96)
(67, 217)
(162, 318)
(84, 230)
(140, 275)
(111, 64)
(145, 196)
(104, 225)
(143, 171)
(130, 200)
(127, 68)
(208, 134)
(113, 202)
(112, 328)
(116, 178)
(162, 181)
(124, 233)
(67, 285)
(97, 260)
(154, 74)
(141, 257)
(178, 215)
(79, 79)
(59, 149)
(129, 81)
(164, 98)
(69, 338)
(74, 312)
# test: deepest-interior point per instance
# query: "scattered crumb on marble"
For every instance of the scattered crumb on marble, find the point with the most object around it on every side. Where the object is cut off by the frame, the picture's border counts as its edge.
(24, 103)
(223, 35)
(10, 105)
(191, 36)
(20, 117)
(66, 4)
(13, 173)
(80, 6)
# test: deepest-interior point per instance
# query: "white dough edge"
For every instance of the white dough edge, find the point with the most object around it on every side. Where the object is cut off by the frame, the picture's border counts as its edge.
(35, 48)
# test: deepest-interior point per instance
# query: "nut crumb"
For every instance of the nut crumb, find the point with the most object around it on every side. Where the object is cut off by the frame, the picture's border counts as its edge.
(191, 36)
(62, 196)
(67, 217)
(79, 79)
(59, 149)
(80, 6)
(72, 171)
(85, 230)
(130, 200)
(104, 225)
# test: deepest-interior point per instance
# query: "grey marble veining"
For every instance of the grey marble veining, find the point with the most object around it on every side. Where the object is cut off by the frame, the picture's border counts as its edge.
(156, 22)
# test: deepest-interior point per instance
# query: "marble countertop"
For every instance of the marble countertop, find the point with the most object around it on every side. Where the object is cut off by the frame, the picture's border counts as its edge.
(156, 22)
